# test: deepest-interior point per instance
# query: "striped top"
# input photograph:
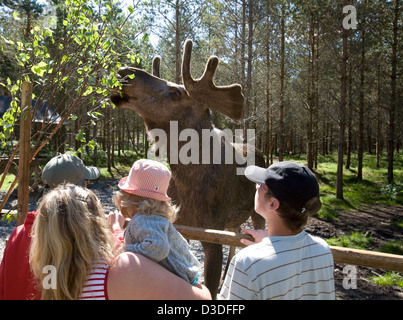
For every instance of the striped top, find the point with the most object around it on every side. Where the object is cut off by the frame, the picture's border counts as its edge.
(290, 268)
(95, 286)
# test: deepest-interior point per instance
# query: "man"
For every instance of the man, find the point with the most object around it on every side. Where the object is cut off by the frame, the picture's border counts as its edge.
(285, 262)
(16, 279)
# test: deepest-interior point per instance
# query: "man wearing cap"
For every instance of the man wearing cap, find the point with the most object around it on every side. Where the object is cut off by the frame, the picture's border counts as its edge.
(284, 262)
(16, 279)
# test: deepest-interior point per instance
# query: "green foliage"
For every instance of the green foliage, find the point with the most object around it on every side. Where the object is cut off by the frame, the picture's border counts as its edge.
(9, 217)
(74, 63)
(388, 279)
(398, 223)
(7, 182)
(356, 240)
(393, 247)
(392, 190)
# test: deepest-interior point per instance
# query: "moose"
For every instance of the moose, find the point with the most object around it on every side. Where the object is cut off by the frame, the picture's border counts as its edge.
(209, 195)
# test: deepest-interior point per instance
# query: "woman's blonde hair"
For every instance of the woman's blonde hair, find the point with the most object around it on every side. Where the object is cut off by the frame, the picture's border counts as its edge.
(130, 204)
(70, 233)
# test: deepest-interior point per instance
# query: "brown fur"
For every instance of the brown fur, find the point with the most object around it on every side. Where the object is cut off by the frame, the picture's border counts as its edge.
(209, 195)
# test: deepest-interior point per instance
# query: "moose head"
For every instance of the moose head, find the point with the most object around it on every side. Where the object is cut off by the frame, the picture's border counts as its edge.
(159, 101)
(209, 195)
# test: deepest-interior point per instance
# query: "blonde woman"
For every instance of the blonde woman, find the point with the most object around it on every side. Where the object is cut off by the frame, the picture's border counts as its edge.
(16, 278)
(150, 232)
(72, 255)
(72, 235)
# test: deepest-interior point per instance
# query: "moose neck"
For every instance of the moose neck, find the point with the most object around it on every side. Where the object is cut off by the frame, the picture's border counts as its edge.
(184, 142)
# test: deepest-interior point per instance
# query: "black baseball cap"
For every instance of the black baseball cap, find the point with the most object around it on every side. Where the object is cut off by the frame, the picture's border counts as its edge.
(290, 182)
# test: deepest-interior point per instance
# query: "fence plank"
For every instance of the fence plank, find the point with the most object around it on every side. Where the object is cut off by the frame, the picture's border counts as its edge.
(25, 150)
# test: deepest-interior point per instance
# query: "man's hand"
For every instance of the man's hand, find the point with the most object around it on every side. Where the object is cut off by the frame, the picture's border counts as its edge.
(258, 235)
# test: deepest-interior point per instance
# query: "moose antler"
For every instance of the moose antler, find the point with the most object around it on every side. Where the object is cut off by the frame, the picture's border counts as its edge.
(227, 100)
(156, 66)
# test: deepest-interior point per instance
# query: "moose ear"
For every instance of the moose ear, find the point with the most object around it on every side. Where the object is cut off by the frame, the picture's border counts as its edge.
(227, 100)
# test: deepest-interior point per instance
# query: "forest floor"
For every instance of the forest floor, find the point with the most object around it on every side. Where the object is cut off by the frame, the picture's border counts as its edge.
(375, 221)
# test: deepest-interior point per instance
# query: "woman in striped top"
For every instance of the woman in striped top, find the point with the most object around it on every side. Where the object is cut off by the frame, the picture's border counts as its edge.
(284, 262)
(95, 286)
(73, 240)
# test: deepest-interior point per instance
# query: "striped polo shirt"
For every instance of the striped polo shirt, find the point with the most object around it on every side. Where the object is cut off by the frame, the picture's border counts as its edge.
(287, 267)
(95, 285)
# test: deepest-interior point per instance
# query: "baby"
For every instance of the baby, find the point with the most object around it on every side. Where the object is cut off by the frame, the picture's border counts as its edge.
(142, 197)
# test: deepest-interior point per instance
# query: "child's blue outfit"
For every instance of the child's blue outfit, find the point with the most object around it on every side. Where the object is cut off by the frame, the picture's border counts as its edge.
(156, 238)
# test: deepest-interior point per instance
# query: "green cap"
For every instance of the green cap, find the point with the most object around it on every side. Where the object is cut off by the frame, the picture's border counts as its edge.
(67, 168)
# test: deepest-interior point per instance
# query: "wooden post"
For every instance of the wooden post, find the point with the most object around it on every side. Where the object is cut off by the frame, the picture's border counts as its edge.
(25, 150)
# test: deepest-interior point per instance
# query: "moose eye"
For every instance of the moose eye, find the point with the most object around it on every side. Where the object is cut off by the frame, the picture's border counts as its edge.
(174, 92)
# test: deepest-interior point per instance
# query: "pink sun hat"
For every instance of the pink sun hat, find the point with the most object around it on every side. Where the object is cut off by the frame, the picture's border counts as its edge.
(147, 178)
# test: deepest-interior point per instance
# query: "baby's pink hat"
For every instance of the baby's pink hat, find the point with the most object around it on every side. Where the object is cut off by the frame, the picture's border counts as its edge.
(147, 178)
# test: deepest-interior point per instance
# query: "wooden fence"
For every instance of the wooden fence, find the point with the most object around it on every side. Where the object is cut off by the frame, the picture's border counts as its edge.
(365, 258)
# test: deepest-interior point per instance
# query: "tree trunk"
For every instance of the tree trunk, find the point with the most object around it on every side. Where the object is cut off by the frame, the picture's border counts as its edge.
(392, 108)
(95, 154)
(378, 119)
(342, 109)
(178, 31)
(268, 101)
(361, 109)
(349, 118)
(281, 111)
(249, 71)
(311, 98)
(108, 130)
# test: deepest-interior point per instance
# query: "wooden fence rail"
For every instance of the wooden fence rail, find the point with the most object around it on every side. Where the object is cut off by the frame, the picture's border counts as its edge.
(365, 258)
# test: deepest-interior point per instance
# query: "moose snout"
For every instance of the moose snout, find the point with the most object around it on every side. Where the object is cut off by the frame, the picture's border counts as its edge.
(139, 82)
(126, 73)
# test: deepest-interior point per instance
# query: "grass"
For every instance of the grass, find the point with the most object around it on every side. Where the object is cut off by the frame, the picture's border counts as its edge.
(356, 240)
(393, 247)
(398, 223)
(388, 279)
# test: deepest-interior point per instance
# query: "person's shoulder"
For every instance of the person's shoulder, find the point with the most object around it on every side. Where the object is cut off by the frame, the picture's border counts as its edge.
(320, 243)
(125, 259)
(253, 253)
